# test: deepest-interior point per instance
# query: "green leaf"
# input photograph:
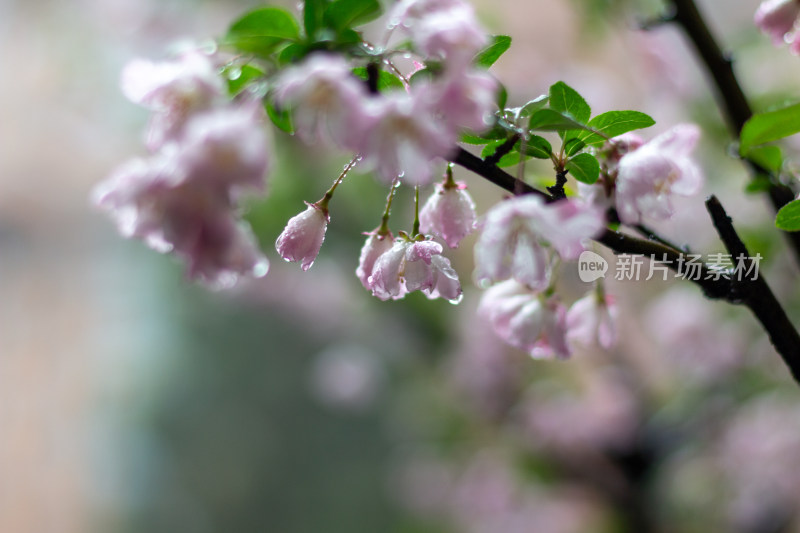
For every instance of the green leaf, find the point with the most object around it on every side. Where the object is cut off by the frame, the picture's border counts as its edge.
(502, 96)
(386, 80)
(759, 184)
(262, 30)
(584, 168)
(239, 76)
(533, 106)
(567, 100)
(313, 11)
(770, 126)
(537, 147)
(486, 57)
(511, 158)
(293, 53)
(788, 218)
(767, 157)
(552, 120)
(613, 123)
(495, 132)
(420, 75)
(282, 118)
(344, 14)
(573, 145)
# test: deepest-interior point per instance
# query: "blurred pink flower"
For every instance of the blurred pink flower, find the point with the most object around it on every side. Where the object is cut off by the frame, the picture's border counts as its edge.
(414, 265)
(328, 103)
(650, 174)
(302, 237)
(526, 320)
(511, 243)
(466, 98)
(376, 245)
(448, 213)
(173, 90)
(777, 18)
(451, 34)
(591, 321)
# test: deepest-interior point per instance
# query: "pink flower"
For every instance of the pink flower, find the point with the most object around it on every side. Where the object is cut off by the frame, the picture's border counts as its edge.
(450, 34)
(449, 213)
(414, 266)
(591, 321)
(405, 138)
(526, 320)
(377, 244)
(157, 200)
(466, 98)
(302, 238)
(328, 103)
(649, 175)
(173, 90)
(225, 148)
(777, 18)
(515, 231)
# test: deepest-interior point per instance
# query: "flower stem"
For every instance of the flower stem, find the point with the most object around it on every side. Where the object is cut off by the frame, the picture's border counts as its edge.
(323, 202)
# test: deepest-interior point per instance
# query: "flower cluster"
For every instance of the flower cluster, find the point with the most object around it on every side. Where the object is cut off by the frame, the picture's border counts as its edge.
(205, 153)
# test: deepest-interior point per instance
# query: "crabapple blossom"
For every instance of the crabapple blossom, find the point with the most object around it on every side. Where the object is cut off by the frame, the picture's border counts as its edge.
(777, 18)
(591, 321)
(449, 213)
(404, 140)
(327, 101)
(515, 231)
(414, 265)
(526, 319)
(650, 174)
(173, 90)
(377, 244)
(466, 99)
(302, 237)
(158, 201)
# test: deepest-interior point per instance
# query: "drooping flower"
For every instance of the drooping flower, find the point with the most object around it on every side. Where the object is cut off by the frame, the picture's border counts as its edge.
(376, 245)
(173, 90)
(526, 319)
(328, 103)
(515, 232)
(466, 99)
(449, 213)
(404, 138)
(158, 201)
(414, 266)
(302, 237)
(591, 321)
(649, 175)
(777, 18)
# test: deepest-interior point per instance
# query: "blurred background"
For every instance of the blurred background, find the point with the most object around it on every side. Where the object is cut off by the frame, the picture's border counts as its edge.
(132, 400)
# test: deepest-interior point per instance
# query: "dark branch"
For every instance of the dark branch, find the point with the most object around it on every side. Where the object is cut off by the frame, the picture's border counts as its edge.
(502, 150)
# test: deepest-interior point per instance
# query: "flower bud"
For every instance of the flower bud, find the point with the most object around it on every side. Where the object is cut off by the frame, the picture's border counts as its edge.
(302, 237)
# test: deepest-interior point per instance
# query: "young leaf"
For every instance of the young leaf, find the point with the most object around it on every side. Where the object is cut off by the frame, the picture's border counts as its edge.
(770, 126)
(239, 76)
(261, 30)
(567, 100)
(584, 168)
(552, 120)
(573, 145)
(767, 157)
(533, 106)
(385, 80)
(344, 14)
(788, 218)
(537, 147)
(313, 11)
(282, 118)
(613, 123)
(486, 57)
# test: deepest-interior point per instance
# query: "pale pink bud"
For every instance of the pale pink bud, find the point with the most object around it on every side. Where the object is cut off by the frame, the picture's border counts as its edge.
(449, 213)
(591, 321)
(649, 175)
(777, 18)
(375, 246)
(302, 238)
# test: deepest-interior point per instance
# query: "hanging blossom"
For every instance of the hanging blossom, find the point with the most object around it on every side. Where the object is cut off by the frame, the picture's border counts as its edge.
(591, 321)
(173, 90)
(302, 238)
(414, 266)
(526, 319)
(449, 213)
(378, 243)
(516, 231)
(328, 103)
(648, 176)
(778, 19)
(183, 198)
